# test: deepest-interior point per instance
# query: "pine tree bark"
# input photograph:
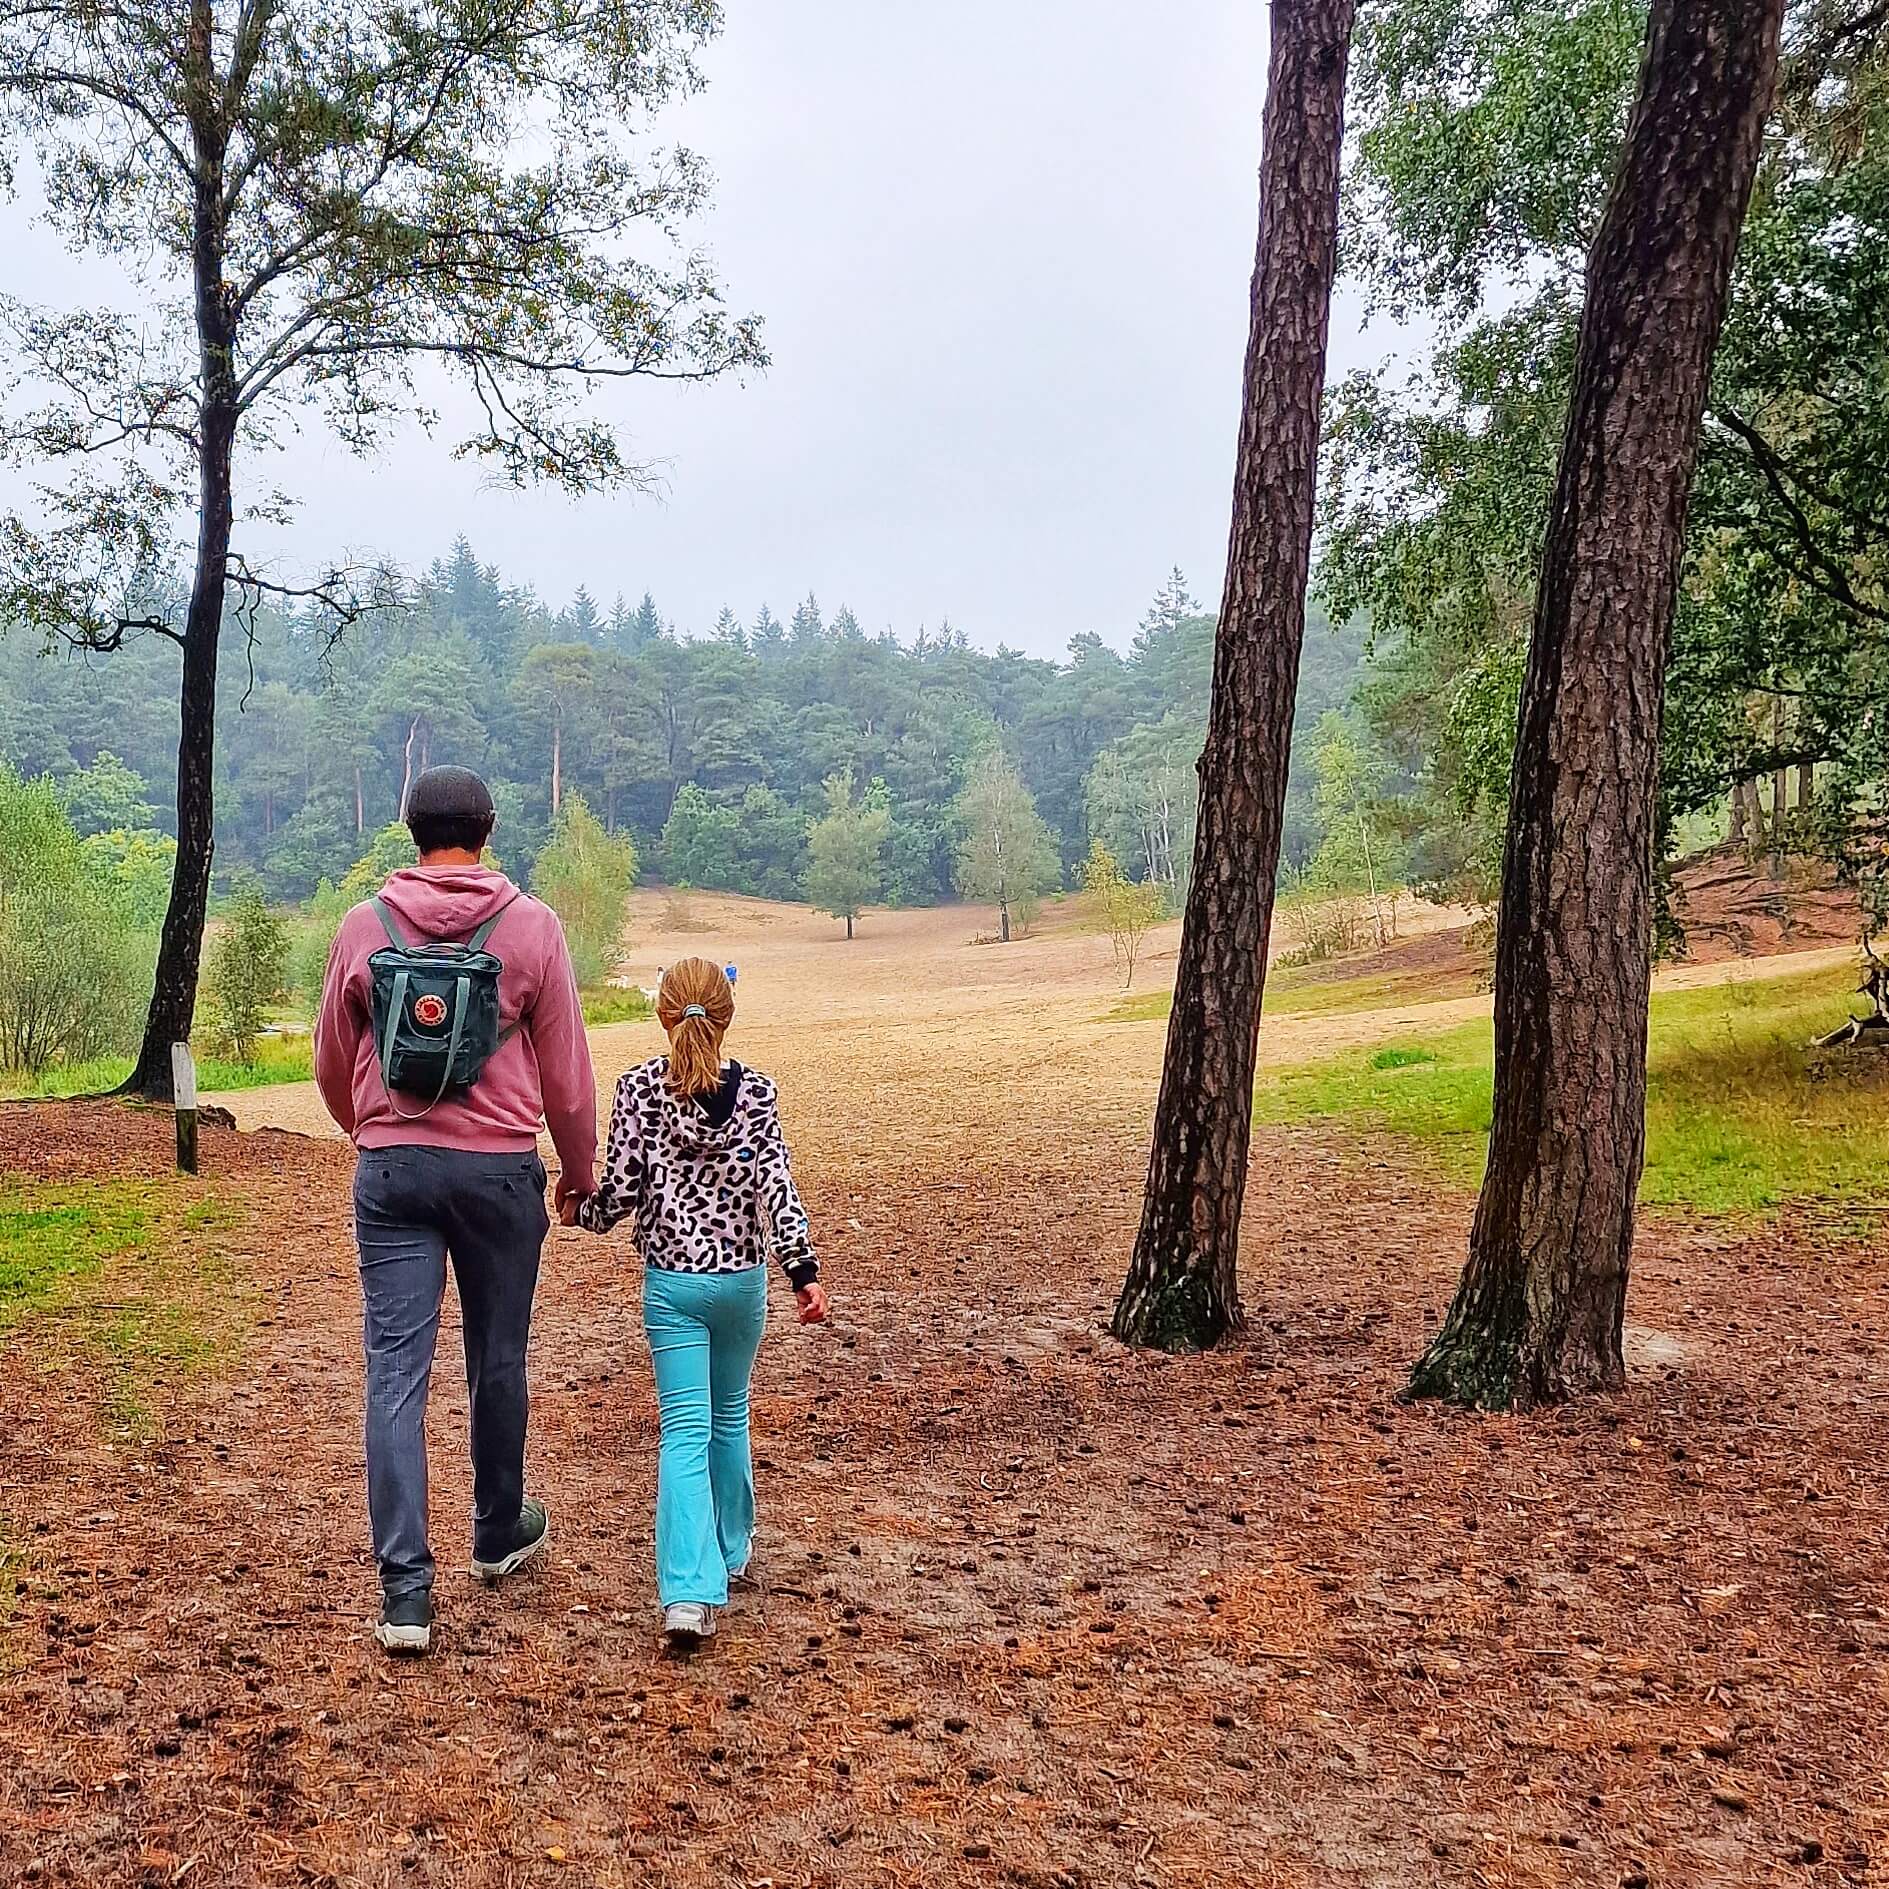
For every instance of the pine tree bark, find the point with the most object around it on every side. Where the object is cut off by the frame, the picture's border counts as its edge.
(1182, 1289)
(180, 942)
(1538, 1315)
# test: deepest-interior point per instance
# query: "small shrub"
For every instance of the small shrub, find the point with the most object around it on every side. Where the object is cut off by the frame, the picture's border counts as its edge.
(73, 964)
(249, 964)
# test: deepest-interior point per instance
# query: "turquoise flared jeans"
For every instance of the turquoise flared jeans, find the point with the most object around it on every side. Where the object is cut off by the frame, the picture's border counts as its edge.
(704, 1331)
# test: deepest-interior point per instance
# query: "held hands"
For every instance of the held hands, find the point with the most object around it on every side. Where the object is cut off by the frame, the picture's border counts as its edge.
(812, 1301)
(569, 1195)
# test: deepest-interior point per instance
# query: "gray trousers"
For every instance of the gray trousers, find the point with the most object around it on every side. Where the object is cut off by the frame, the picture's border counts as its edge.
(413, 1206)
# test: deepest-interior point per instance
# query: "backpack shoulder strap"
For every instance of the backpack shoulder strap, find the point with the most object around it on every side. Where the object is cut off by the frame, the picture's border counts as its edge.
(387, 924)
(483, 936)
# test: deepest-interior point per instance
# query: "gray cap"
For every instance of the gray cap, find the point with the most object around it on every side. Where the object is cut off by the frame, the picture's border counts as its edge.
(449, 793)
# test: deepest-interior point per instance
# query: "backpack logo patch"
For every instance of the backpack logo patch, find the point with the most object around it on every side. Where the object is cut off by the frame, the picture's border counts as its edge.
(429, 1012)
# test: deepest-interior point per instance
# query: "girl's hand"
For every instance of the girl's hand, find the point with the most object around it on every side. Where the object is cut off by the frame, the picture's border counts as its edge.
(812, 1304)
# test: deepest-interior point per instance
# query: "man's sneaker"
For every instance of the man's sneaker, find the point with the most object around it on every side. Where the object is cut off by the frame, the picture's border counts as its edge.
(406, 1624)
(529, 1540)
(687, 1624)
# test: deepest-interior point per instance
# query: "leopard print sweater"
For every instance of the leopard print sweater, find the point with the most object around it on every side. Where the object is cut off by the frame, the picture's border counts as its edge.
(703, 1199)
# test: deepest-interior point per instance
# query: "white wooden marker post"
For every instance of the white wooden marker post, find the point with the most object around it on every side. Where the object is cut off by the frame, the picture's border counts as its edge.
(184, 1093)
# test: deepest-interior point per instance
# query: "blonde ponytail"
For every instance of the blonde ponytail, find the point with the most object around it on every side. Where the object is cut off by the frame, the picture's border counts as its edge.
(695, 1004)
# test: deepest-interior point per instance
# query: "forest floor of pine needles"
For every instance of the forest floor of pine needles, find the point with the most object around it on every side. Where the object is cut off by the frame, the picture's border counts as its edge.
(1034, 1611)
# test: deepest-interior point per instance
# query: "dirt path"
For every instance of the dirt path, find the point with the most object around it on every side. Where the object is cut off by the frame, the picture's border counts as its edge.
(1038, 1612)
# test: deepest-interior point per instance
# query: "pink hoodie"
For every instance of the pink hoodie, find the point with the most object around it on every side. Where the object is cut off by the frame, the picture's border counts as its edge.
(540, 1075)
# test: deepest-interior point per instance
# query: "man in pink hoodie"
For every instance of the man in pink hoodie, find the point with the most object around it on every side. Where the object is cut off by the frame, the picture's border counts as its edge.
(459, 1175)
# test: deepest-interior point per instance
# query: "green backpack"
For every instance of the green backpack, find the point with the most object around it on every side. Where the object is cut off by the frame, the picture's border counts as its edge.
(436, 1010)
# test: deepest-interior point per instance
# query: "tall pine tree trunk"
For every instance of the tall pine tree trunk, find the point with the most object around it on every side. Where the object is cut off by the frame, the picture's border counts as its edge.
(1182, 1289)
(180, 943)
(1539, 1312)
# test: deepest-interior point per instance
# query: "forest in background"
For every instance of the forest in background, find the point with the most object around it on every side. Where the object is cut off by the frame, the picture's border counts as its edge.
(710, 752)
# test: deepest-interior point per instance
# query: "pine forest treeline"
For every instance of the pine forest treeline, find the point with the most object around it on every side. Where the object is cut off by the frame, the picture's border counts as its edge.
(711, 749)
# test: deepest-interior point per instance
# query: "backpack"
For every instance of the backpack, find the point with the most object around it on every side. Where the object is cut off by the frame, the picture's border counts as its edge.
(436, 1010)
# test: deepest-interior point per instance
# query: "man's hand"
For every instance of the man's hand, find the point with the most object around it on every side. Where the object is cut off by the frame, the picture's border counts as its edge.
(812, 1304)
(573, 1187)
(567, 1210)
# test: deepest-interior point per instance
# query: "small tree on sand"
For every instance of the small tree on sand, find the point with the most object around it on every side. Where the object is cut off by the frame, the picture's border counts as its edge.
(844, 847)
(1008, 856)
(585, 875)
(1129, 910)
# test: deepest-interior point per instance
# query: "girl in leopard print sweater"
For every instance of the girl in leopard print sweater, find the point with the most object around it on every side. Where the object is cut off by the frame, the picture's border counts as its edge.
(697, 1161)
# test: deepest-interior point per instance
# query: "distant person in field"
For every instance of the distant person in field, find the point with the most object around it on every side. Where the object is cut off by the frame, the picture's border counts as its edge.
(697, 1161)
(450, 1032)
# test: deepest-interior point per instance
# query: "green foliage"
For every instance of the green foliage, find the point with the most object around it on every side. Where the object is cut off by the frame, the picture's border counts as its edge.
(1486, 139)
(1128, 909)
(844, 848)
(72, 965)
(752, 842)
(140, 864)
(249, 965)
(107, 796)
(1737, 1121)
(1360, 854)
(392, 851)
(709, 755)
(611, 1005)
(584, 874)
(1008, 856)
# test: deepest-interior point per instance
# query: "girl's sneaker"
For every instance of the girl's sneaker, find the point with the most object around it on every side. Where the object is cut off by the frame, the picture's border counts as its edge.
(687, 1624)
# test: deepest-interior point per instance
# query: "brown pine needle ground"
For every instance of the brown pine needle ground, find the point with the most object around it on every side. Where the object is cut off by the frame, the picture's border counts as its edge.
(1035, 1611)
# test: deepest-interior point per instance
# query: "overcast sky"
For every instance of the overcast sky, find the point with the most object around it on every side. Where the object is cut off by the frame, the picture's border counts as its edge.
(1002, 249)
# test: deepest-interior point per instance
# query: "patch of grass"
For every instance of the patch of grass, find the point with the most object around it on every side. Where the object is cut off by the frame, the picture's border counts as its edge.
(1294, 993)
(52, 1237)
(611, 1005)
(1737, 1122)
(1401, 1057)
(1155, 1007)
(275, 1059)
(124, 1282)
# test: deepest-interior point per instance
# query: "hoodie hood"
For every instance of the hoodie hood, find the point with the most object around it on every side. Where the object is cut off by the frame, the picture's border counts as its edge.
(689, 1123)
(432, 903)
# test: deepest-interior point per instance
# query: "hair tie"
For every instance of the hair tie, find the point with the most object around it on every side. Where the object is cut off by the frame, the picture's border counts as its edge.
(694, 1010)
